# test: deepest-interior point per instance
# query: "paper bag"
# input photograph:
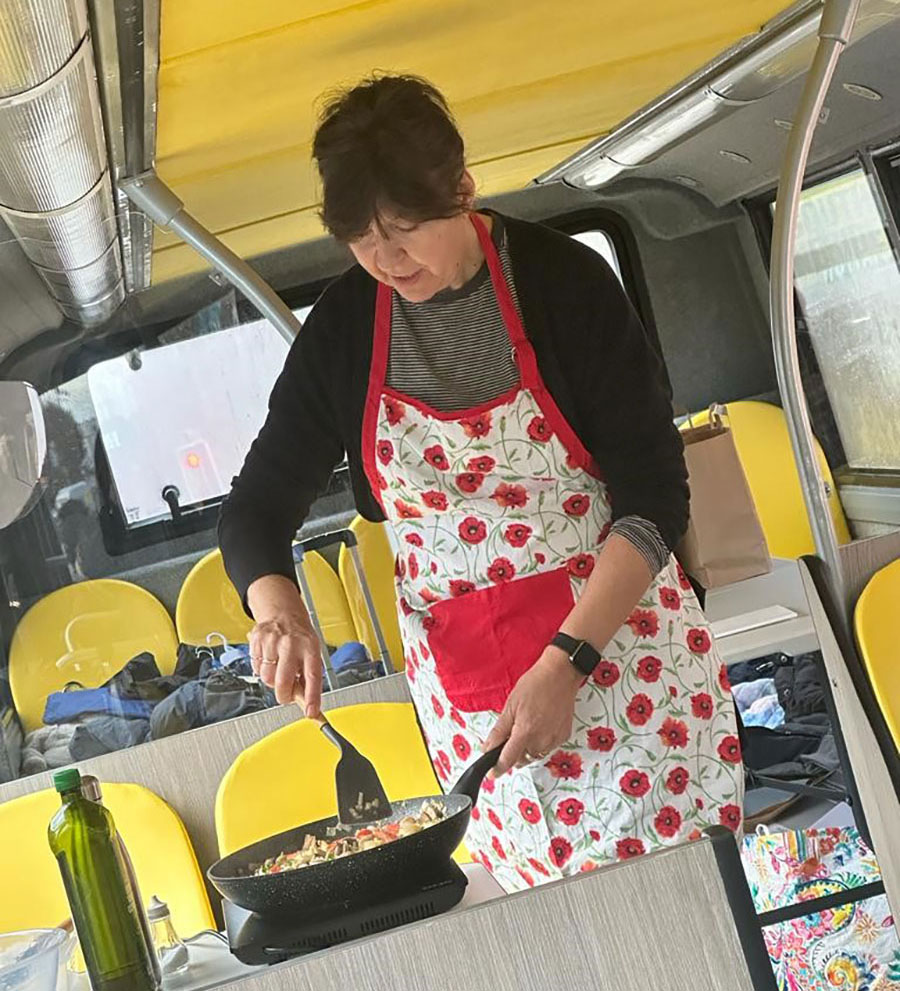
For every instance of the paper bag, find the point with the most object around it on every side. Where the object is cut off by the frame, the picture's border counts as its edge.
(724, 542)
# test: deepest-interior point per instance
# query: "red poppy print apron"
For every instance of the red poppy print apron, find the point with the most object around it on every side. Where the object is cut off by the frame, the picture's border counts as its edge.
(498, 513)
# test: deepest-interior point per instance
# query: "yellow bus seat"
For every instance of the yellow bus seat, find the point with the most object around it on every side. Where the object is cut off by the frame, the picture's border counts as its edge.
(874, 619)
(84, 633)
(329, 600)
(764, 447)
(287, 778)
(377, 559)
(157, 842)
(208, 603)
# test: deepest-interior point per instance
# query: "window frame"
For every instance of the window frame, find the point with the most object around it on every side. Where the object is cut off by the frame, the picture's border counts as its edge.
(118, 537)
(887, 186)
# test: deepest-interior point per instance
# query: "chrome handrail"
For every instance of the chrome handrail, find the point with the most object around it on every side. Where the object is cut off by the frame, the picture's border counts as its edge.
(838, 17)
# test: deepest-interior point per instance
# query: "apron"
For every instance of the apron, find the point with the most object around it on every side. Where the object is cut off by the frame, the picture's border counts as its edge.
(498, 515)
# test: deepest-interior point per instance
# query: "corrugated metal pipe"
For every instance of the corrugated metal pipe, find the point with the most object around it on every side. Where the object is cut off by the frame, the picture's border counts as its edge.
(55, 192)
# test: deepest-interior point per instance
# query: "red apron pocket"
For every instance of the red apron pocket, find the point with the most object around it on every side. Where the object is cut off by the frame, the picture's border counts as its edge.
(484, 641)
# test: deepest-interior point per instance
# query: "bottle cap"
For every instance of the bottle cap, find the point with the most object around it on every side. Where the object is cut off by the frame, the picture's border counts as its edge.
(157, 910)
(68, 779)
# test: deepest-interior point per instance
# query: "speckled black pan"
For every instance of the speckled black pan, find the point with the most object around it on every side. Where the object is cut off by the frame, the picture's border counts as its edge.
(306, 889)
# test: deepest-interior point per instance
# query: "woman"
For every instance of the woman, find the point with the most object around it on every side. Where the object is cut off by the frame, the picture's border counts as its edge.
(502, 408)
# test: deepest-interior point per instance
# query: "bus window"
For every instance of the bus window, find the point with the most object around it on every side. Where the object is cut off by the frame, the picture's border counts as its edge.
(206, 398)
(602, 243)
(848, 284)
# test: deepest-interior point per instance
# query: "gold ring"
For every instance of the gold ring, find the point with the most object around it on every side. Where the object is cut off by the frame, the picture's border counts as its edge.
(266, 660)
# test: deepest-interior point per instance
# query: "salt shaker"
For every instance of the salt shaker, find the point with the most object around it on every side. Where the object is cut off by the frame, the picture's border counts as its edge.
(170, 948)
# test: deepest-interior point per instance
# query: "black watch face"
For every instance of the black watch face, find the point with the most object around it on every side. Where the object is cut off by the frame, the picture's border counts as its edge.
(585, 658)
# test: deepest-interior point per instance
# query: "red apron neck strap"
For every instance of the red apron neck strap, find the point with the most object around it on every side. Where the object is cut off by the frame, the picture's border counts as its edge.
(381, 341)
(381, 344)
(508, 310)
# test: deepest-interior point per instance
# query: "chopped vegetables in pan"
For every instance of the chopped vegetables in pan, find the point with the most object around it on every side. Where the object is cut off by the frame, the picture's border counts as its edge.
(361, 806)
(316, 851)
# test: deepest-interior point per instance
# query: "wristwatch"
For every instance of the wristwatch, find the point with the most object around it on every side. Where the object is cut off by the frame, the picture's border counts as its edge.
(582, 656)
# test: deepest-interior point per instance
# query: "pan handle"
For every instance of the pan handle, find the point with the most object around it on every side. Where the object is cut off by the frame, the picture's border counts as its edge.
(469, 782)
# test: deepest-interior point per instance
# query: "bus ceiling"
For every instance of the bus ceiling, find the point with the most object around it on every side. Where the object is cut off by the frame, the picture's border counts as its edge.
(219, 98)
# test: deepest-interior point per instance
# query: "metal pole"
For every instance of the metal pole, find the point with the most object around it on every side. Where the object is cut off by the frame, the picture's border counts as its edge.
(155, 198)
(386, 658)
(306, 593)
(836, 25)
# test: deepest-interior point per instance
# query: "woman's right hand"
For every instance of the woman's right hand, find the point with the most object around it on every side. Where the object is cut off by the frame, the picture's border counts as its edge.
(284, 648)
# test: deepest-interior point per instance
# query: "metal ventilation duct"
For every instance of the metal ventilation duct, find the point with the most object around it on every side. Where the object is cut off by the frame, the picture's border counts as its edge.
(55, 192)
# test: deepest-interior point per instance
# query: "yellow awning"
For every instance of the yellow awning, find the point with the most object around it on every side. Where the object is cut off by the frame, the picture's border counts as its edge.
(530, 82)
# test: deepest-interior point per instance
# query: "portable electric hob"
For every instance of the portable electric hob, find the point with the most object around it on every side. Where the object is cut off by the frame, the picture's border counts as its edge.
(258, 939)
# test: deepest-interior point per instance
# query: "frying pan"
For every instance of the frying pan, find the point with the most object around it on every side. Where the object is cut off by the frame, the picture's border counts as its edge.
(309, 889)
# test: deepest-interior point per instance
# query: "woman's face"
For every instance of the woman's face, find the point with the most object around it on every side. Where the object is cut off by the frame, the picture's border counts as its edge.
(419, 259)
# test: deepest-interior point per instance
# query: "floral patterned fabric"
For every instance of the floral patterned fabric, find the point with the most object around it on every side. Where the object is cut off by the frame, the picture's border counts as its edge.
(853, 947)
(499, 514)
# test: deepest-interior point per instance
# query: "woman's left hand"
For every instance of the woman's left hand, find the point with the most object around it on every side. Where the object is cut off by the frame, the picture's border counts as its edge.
(538, 713)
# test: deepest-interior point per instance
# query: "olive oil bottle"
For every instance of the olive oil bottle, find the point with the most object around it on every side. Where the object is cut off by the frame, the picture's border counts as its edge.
(102, 901)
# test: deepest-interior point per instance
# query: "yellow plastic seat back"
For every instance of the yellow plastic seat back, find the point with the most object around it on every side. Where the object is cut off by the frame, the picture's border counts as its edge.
(157, 842)
(377, 558)
(875, 620)
(764, 447)
(208, 603)
(329, 600)
(86, 633)
(287, 778)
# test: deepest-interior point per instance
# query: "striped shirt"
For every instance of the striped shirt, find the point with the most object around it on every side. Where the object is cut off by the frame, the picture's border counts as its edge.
(427, 340)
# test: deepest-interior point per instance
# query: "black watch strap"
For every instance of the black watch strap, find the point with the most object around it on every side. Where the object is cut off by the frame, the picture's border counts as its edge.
(582, 656)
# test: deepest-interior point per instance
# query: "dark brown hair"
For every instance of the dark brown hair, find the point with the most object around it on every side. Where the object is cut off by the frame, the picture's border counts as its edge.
(389, 143)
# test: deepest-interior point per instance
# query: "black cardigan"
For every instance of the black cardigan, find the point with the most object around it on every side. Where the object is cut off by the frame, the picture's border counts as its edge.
(594, 355)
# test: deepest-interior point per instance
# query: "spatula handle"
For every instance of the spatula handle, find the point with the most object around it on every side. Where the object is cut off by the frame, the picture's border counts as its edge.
(329, 731)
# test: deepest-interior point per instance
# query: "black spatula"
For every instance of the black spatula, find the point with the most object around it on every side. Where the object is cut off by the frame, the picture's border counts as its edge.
(360, 795)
